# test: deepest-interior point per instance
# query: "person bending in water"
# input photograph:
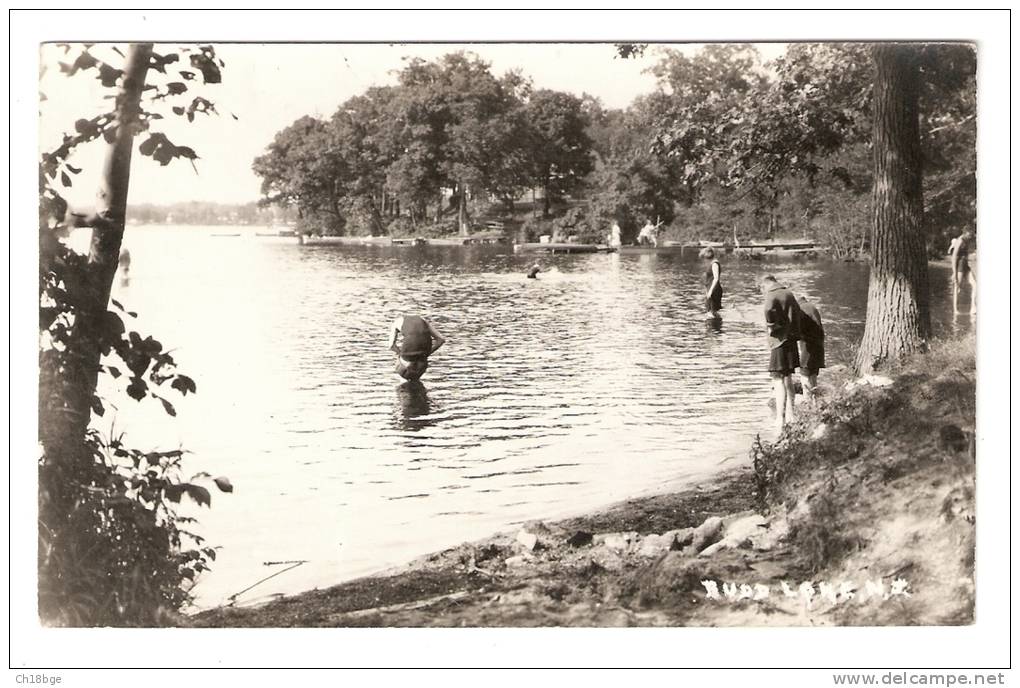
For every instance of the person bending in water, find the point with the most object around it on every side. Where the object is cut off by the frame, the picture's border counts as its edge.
(812, 346)
(713, 282)
(959, 250)
(649, 235)
(782, 317)
(418, 340)
(533, 272)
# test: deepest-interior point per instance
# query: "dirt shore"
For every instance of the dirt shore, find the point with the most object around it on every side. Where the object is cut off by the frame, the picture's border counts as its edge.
(862, 513)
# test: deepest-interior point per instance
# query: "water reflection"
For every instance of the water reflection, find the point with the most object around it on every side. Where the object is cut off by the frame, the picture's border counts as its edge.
(414, 409)
(713, 326)
(962, 323)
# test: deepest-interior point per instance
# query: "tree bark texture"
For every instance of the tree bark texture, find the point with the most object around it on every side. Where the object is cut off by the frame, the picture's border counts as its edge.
(462, 214)
(898, 320)
(107, 237)
(376, 226)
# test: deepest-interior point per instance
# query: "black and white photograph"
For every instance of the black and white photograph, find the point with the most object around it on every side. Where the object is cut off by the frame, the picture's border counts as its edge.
(489, 334)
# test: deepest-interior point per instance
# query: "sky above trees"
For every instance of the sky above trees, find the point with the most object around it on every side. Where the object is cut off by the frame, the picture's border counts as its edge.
(267, 87)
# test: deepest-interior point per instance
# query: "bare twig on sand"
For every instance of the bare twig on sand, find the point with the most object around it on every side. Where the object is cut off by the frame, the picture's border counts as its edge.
(404, 607)
(294, 564)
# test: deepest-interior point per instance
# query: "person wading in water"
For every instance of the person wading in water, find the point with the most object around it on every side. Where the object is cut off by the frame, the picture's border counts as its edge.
(418, 340)
(782, 317)
(713, 283)
(960, 249)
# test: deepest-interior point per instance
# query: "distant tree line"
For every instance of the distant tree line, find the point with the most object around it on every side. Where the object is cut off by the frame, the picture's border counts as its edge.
(208, 213)
(726, 148)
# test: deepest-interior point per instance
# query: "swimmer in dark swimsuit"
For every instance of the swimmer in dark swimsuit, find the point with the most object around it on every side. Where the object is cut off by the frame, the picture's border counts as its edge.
(713, 282)
(533, 272)
(418, 340)
(960, 249)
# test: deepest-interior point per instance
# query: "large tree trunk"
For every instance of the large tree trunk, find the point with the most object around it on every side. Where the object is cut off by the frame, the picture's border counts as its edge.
(62, 431)
(545, 198)
(375, 223)
(334, 210)
(462, 214)
(898, 320)
(112, 197)
(108, 234)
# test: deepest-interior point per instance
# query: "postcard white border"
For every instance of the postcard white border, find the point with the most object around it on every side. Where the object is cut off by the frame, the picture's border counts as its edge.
(984, 644)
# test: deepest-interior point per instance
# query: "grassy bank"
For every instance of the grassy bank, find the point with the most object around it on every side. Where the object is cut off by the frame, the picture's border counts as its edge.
(870, 492)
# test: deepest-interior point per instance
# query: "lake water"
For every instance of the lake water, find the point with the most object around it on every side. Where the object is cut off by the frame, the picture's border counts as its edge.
(597, 382)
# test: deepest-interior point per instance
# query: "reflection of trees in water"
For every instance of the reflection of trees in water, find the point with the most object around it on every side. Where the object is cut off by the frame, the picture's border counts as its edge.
(414, 407)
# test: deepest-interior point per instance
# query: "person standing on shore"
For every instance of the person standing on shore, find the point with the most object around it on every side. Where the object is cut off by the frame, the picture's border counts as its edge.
(713, 282)
(959, 250)
(614, 236)
(418, 340)
(782, 318)
(811, 345)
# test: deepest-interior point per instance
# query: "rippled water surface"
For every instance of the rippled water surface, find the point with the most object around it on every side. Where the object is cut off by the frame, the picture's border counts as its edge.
(599, 381)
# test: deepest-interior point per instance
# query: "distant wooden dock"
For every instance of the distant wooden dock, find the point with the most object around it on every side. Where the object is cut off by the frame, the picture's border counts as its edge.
(754, 248)
(309, 240)
(750, 249)
(562, 248)
(471, 240)
(781, 246)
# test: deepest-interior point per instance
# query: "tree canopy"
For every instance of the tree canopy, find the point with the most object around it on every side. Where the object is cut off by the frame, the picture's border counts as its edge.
(725, 145)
